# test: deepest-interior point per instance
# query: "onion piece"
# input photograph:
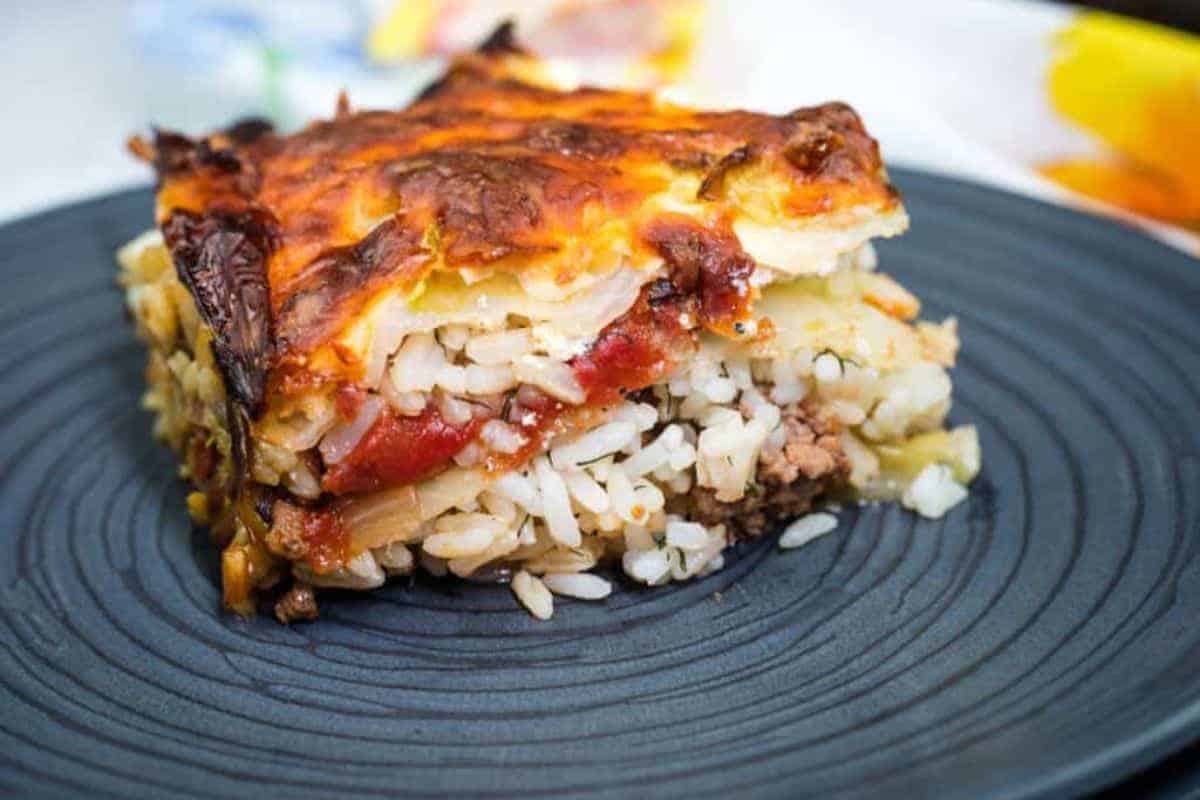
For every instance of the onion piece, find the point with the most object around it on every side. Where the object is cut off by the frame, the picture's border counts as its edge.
(343, 438)
(452, 488)
(397, 515)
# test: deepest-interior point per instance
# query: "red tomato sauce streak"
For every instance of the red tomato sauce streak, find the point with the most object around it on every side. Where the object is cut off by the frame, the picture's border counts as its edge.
(631, 353)
(399, 450)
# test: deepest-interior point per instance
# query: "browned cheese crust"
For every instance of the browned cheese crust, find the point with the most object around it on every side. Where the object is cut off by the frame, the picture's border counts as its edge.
(283, 240)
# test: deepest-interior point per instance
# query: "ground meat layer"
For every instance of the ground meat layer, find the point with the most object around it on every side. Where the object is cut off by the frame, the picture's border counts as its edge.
(297, 603)
(808, 464)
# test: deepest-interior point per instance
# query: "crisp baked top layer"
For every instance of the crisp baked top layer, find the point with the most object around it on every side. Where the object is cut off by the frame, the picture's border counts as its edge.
(286, 241)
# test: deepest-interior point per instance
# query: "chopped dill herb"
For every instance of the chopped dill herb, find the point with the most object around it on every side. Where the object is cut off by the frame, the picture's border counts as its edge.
(842, 361)
(470, 402)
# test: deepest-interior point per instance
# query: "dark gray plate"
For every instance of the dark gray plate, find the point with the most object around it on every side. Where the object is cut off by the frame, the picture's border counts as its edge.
(1040, 641)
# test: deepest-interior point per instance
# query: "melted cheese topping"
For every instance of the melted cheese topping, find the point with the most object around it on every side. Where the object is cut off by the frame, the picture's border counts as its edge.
(493, 188)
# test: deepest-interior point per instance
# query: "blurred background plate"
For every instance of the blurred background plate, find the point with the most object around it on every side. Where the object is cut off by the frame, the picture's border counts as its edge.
(1040, 641)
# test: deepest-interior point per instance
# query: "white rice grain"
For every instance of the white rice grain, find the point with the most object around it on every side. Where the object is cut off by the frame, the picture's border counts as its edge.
(457, 545)
(596, 443)
(714, 564)
(719, 390)
(716, 416)
(300, 481)
(609, 522)
(416, 365)
(560, 520)
(586, 491)
(686, 535)
(501, 347)
(501, 437)
(647, 459)
(806, 528)
(521, 490)
(847, 413)
(648, 500)
(643, 415)
(682, 457)
(933, 492)
(647, 566)
(489, 378)
(679, 387)
(527, 532)
(359, 574)
(663, 473)
(787, 393)
(453, 379)
(827, 368)
(408, 404)
(560, 559)
(739, 372)
(579, 585)
(499, 506)
(723, 438)
(621, 496)
(395, 558)
(600, 468)
(533, 594)
(682, 482)
(455, 411)
(344, 437)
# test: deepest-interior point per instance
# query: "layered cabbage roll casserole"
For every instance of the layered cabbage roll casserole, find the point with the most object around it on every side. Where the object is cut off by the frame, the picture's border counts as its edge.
(517, 332)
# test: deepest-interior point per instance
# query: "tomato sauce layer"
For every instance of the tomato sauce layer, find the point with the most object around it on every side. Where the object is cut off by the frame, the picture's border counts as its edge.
(633, 352)
(399, 450)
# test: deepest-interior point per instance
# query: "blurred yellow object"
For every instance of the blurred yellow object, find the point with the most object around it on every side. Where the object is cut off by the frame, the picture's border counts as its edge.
(1125, 185)
(404, 32)
(1136, 86)
(684, 24)
(635, 43)
(197, 505)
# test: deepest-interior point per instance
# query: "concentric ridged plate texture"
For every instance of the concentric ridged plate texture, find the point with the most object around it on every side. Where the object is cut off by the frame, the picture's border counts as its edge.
(1041, 640)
